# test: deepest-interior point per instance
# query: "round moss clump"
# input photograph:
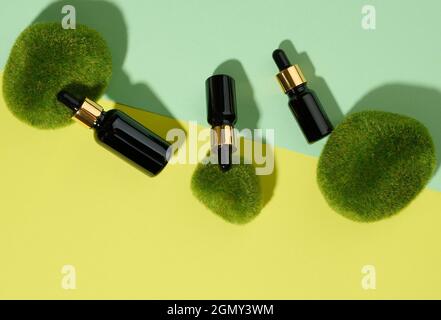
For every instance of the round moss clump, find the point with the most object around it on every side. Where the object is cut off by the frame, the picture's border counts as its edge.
(374, 164)
(46, 59)
(234, 195)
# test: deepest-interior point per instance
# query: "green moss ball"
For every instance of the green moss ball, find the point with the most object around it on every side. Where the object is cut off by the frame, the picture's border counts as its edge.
(234, 195)
(46, 59)
(374, 164)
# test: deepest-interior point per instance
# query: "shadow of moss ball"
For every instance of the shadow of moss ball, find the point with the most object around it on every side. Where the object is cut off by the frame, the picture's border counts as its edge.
(46, 59)
(374, 164)
(235, 195)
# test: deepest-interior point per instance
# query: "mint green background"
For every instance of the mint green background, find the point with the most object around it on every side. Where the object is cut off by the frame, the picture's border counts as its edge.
(164, 51)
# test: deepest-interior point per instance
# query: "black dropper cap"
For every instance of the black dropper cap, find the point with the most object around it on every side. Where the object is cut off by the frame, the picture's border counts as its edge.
(69, 100)
(225, 156)
(221, 115)
(281, 59)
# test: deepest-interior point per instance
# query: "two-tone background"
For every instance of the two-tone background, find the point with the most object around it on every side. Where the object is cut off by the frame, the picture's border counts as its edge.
(66, 201)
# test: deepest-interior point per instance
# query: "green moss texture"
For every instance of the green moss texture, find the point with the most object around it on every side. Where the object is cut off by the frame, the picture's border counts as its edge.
(235, 195)
(45, 59)
(374, 164)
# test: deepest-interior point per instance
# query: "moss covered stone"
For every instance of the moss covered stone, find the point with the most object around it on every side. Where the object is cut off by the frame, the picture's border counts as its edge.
(374, 164)
(235, 195)
(47, 58)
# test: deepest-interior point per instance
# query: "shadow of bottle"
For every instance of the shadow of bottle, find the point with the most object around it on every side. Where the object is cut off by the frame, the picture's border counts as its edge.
(248, 118)
(420, 103)
(316, 83)
(106, 18)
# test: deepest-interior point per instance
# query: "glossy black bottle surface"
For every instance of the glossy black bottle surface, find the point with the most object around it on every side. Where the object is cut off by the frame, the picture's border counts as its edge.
(127, 137)
(309, 113)
(221, 100)
(119, 132)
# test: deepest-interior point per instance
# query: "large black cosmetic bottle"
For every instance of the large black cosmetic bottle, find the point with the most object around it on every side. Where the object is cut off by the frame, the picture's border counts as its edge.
(120, 133)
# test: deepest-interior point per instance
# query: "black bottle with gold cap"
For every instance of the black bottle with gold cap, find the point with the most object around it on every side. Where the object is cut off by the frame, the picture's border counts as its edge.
(222, 116)
(303, 102)
(121, 133)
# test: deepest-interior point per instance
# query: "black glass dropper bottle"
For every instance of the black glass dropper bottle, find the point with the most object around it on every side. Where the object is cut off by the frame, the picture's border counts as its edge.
(121, 133)
(221, 115)
(303, 102)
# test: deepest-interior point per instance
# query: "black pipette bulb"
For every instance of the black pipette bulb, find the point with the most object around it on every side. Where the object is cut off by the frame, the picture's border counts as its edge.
(281, 59)
(69, 100)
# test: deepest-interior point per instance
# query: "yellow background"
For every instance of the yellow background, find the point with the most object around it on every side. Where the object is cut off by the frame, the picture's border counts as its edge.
(66, 200)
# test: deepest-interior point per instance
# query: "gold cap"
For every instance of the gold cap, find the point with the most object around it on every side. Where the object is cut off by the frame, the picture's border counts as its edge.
(290, 78)
(88, 113)
(221, 135)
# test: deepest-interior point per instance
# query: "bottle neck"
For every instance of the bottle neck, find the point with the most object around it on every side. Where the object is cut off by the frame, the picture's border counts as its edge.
(88, 113)
(297, 90)
(99, 121)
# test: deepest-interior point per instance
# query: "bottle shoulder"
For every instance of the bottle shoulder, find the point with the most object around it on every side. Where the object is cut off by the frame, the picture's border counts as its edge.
(301, 93)
(108, 117)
